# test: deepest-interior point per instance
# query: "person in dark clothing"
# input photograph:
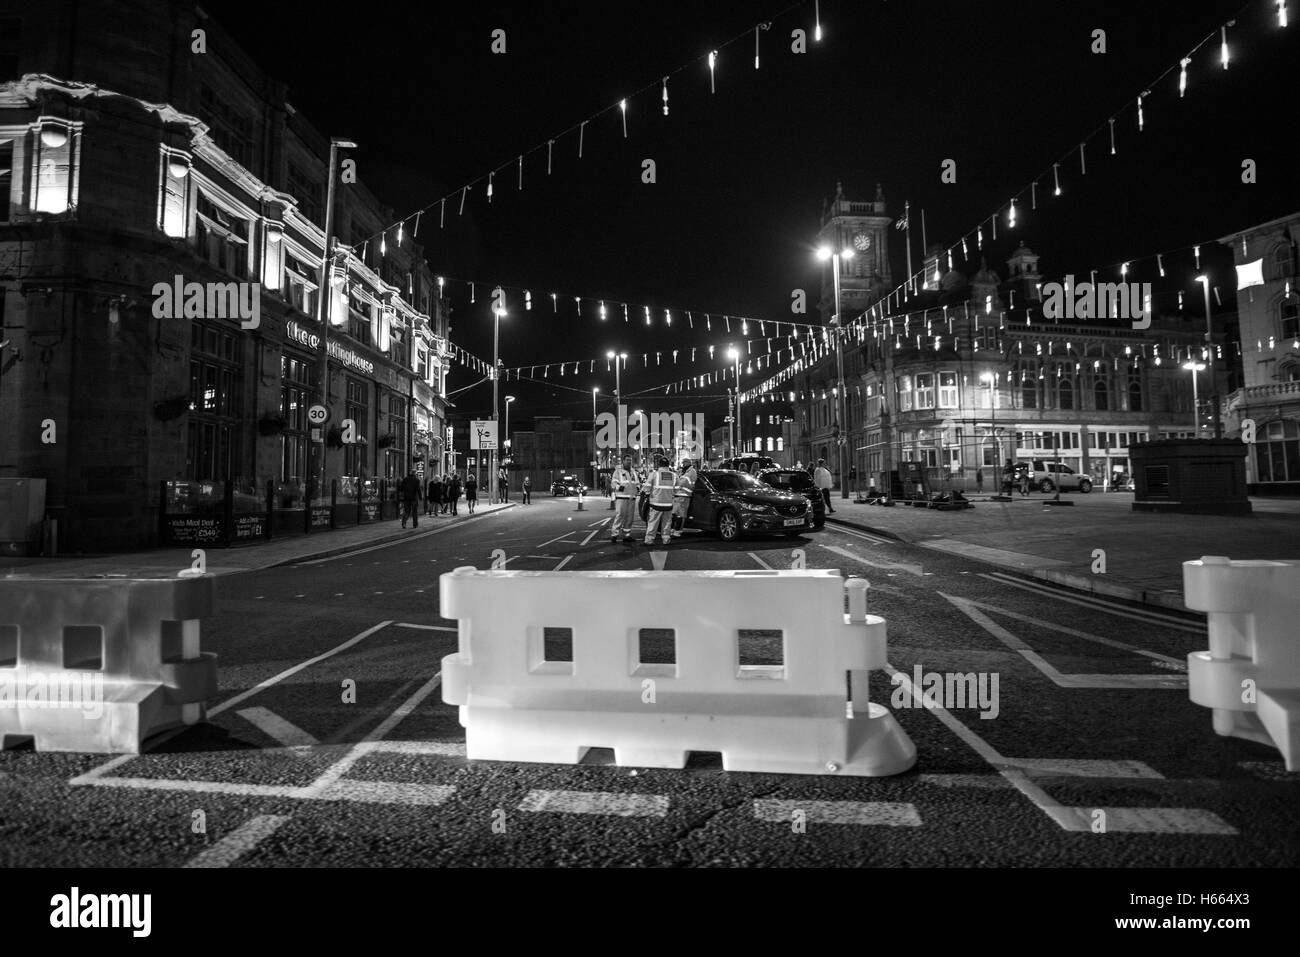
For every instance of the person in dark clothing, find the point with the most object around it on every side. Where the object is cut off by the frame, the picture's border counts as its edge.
(452, 493)
(471, 491)
(431, 496)
(528, 490)
(409, 492)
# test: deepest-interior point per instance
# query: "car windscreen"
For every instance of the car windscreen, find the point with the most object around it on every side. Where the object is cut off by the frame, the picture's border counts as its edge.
(734, 481)
(794, 481)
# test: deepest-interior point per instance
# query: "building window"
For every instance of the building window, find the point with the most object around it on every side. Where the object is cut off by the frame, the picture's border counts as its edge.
(399, 342)
(357, 408)
(297, 390)
(216, 384)
(306, 189)
(395, 457)
(1282, 263)
(1135, 394)
(905, 393)
(221, 237)
(1101, 396)
(421, 360)
(1065, 394)
(1029, 393)
(231, 131)
(1277, 453)
(300, 285)
(1289, 316)
(925, 391)
(6, 177)
(360, 319)
(780, 443)
(947, 390)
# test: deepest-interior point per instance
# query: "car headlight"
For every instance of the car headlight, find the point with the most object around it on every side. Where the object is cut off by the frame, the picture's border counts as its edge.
(753, 507)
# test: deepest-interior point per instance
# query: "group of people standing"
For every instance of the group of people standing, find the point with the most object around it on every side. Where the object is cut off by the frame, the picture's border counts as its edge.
(668, 495)
(442, 494)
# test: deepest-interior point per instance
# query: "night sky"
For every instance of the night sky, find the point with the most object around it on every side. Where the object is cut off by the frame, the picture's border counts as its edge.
(1005, 88)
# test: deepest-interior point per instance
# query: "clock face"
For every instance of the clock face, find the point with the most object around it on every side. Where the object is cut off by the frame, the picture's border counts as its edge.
(861, 242)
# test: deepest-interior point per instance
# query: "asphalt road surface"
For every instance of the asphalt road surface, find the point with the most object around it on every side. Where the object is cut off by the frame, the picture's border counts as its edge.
(1091, 755)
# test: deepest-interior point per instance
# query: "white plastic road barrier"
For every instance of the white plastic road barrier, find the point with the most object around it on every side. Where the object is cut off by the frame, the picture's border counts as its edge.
(1250, 677)
(99, 665)
(658, 664)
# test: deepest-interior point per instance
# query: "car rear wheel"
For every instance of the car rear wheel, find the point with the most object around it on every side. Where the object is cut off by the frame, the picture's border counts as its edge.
(1046, 486)
(1085, 486)
(728, 525)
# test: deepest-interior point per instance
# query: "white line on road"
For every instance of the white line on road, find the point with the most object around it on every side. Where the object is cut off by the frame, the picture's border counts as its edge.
(560, 538)
(889, 813)
(1086, 768)
(910, 569)
(444, 749)
(399, 541)
(990, 556)
(596, 802)
(590, 537)
(287, 733)
(602, 522)
(407, 624)
(761, 563)
(565, 561)
(1150, 617)
(289, 672)
(1153, 820)
(875, 540)
(238, 842)
(388, 792)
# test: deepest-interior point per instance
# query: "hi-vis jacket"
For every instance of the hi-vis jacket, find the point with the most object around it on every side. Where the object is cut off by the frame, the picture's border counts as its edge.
(624, 481)
(660, 485)
(685, 486)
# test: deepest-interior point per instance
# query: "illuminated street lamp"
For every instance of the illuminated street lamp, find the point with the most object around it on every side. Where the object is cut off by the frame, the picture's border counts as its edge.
(618, 358)
(826, 253)
(1204, 280)
(1194, 367)
(734, 356)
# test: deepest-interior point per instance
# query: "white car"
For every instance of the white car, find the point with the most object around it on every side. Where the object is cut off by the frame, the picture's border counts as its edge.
(1048, 476)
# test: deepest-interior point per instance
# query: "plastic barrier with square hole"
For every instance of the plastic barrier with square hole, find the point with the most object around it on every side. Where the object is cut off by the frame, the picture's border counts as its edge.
(655, 665)
(1250, 677)
(99, 665)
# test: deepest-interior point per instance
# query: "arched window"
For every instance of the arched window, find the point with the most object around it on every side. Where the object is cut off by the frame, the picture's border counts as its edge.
(1134, 394)
(1101, 396)
(1277, 452)
(1065, 393)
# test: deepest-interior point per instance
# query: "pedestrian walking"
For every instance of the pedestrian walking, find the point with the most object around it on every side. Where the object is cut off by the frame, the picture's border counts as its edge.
(433, 496)
(660, 487)
(528, 490)
(979, 480)
(822, 480)
(409, 491)
(452, 493)
(471, 491)
(503, 485)
(1024, 483)
(623, 483)
(682, 493)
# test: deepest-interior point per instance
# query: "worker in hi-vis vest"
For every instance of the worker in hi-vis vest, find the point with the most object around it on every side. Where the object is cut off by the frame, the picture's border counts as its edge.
(682, 493)
(623, 483)
(660, 485)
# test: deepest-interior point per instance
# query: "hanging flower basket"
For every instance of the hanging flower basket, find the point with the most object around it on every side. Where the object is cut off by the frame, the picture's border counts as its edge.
(172, 408)
(271, 425)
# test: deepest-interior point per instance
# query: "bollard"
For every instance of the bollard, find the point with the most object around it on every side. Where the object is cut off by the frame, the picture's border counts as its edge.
(1250, 676)
(655, 665)
(581, 507)
(100, 665)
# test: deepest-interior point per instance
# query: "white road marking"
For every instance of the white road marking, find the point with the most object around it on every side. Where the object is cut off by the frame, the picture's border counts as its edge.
(910, 569)
(238, 842)
(565, 561)
(1154, 820)
(590, 536)
(288, 734)
(1085, 768)
(199, 787)
(600, 524)
(407, 624)
(388, 792)
(289, 672)
(990, 782)
(875, 540)
(888, 813)
(596, 802)
(445, 749)
(560, 538)
(992, 556)
(341, 767)
(761, 563)
(1137, 614)
(971, 610)
(659, 559)
(400, 541)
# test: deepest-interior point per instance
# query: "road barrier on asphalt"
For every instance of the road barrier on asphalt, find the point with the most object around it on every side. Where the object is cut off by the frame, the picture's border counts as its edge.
(657, 664)
(1250, 677)
(99, 665)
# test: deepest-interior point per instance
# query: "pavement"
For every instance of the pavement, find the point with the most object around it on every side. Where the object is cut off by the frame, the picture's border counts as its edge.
(1097, 543)
(241, 558)
(327, 742)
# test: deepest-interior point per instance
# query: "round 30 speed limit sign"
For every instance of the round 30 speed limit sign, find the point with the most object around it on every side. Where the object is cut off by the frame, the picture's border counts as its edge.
(318, 415)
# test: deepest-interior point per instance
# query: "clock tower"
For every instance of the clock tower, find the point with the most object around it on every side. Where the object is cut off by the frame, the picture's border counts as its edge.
(864, 228)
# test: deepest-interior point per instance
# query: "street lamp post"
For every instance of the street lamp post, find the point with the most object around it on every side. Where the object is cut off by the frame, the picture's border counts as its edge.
(595, 453)
(835, 257)
(1204, 280)
(1194, 367)
(498, 310)
(734, 356)
(324, 290)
